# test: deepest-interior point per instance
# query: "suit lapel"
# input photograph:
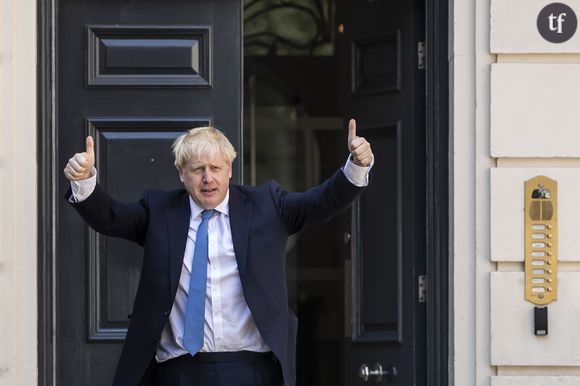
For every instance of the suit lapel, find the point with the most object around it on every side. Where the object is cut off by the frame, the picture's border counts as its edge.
(177, 218)
(240, 216)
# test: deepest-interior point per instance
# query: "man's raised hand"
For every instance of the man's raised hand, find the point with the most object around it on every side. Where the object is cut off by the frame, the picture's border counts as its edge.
(359, 148)
(79, 167)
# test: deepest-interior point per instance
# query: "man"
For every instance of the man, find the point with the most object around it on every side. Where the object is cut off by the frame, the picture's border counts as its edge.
(211, 307)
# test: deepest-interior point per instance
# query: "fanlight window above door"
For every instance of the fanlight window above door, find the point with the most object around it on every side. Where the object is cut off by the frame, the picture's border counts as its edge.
(289, 27)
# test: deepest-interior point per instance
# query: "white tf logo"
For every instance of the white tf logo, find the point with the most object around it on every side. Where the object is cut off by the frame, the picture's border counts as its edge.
(557, 22)
(557, 26)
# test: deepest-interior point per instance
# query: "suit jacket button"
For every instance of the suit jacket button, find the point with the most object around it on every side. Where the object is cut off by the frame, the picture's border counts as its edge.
(166, 313)
(154, 339)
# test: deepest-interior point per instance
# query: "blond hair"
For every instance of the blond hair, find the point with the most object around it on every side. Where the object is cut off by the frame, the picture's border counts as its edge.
(202, 142)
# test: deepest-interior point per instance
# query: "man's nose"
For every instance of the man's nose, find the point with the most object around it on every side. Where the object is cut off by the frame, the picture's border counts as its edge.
(207, 176)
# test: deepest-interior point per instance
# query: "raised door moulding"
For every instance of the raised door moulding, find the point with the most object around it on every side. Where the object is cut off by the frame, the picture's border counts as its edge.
(148, 56)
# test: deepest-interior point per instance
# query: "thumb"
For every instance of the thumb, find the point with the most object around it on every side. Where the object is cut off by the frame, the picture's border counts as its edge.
(90, 146)
(90, 150)
(351, 130)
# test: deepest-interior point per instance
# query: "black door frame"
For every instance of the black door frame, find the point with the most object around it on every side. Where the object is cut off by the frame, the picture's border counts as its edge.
(437, 203)
(47, 177)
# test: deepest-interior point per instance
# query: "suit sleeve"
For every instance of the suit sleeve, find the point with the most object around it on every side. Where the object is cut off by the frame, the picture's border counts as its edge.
(112, 217)
(317, 205)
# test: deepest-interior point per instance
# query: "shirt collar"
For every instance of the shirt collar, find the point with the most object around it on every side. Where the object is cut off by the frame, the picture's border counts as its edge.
(223, 206)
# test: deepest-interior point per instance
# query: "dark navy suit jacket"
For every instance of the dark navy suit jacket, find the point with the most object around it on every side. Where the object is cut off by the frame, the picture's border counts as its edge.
(261, 220)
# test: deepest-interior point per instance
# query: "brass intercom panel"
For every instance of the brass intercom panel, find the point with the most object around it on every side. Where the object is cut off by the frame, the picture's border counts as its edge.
(541, 235)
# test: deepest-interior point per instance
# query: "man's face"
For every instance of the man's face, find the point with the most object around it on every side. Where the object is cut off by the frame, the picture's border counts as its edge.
(206, 180)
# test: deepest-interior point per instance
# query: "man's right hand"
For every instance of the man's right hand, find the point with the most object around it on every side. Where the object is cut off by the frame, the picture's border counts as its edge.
(80, 166)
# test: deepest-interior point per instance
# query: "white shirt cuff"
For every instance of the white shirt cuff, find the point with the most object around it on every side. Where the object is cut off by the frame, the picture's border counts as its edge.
(82, 189)
(357, 175)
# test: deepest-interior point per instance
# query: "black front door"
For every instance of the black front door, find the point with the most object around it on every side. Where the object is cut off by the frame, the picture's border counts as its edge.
(384, 88)
(134, 75)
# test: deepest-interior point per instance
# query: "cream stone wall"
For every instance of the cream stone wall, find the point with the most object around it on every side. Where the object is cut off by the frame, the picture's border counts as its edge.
(535, 381)
(514, 30)
(507, 212)
(462, 294)
(18, 189)
(513, 342)
(470, 60)
(532, 130)
(535, 109)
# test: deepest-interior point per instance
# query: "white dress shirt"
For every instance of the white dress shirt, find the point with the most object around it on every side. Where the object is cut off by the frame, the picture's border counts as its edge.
(229, 325)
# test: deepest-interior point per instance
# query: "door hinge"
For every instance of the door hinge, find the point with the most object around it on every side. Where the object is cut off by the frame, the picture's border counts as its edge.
(422, 288)
(421, 55)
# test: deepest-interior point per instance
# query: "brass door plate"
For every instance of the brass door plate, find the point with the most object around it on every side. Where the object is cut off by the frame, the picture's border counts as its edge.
(541, 240)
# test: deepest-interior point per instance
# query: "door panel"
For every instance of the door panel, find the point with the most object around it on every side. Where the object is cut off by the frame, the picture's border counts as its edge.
(134, 75)
(384, 90)
(377, 259)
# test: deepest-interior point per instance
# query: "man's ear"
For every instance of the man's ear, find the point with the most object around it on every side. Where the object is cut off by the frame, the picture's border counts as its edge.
(180, 175)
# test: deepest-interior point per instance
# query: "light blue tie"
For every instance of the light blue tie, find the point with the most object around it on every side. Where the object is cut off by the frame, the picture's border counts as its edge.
(195, 312)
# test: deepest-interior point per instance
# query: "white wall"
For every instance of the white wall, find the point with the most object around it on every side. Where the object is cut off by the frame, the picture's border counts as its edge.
(469, 111)
(18, 206)
(462, 244)
(527, 126)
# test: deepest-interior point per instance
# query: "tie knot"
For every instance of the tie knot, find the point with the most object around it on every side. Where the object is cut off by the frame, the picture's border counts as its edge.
(206, 214)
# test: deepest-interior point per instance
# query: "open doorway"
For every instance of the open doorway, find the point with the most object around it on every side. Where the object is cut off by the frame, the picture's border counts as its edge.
(293, 132)
(363, 64)
(355, 282)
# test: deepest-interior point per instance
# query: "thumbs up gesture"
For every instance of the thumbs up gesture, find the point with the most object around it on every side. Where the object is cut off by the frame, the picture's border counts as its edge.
(359, 148)
(79, 167)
